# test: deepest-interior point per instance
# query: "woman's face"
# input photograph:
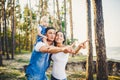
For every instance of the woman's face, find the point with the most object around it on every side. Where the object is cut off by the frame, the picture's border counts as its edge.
(59, 37)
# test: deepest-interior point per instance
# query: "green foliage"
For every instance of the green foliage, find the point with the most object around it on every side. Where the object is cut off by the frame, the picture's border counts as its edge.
(34, 16)
(63, 26)
(22, 61)
(69, 41)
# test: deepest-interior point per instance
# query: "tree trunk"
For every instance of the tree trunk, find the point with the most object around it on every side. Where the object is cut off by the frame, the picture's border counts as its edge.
(54, 7)
(65, 20)
(31, 31)
(6, 38)
(13, 32)
(39, 12)
(71, 22)
(3, 36)
(41, 6)
(18, 23)
(101, 64)
(27, 34)
(1, 62)
(58, 15)
(89, 65)
(44, 7)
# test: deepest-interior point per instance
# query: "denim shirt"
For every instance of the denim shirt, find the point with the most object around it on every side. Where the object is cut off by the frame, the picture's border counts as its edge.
(38, 65)
(43, 31)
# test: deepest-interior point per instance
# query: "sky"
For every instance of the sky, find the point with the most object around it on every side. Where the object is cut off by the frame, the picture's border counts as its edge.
(111, 17)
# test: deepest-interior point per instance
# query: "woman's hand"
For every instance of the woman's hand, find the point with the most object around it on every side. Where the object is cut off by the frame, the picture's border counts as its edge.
(83, 44)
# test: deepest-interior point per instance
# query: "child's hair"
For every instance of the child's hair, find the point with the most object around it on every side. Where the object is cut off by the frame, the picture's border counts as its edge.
(44, 19)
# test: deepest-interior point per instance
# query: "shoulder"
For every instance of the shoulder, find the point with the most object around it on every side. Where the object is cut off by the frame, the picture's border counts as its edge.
(39, 45)
(40, 27)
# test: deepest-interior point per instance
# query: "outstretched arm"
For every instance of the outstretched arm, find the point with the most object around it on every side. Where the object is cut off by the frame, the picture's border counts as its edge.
(81, 45)
(53, 49)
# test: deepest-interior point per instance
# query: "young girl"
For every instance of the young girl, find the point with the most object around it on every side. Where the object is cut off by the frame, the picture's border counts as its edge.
(42, 29)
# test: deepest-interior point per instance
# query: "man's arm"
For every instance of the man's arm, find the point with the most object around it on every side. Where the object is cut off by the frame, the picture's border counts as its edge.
(51, 49)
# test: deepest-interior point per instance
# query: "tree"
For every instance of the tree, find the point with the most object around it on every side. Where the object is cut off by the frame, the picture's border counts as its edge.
(65, 20)
(71, 22)
(28, 16)
(101, 64)
(13, 30)
(31, 31)
(18, 18)
(58, 15)
(26, 25)
(6, 35)
(1, 62)
(89, 66)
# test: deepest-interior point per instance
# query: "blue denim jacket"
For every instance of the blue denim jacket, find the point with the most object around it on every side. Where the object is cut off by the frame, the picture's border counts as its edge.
(38, 65)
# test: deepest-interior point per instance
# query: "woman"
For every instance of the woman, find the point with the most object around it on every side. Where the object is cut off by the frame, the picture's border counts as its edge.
(60, 59)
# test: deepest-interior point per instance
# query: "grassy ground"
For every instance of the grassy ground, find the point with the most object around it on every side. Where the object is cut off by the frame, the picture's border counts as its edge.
(13, 69)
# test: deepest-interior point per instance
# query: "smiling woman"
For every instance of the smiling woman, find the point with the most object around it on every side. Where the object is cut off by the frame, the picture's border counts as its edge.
(60, 59)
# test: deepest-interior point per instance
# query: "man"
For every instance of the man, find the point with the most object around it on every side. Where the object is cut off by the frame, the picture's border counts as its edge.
(39, 61)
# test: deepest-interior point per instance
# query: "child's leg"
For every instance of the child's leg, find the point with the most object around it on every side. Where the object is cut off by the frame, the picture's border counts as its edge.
(45, 41)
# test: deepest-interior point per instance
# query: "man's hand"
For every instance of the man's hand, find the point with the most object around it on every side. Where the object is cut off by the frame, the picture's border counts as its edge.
(68, 49)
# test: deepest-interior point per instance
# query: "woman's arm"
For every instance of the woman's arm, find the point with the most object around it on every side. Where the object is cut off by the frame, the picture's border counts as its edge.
(81, 45)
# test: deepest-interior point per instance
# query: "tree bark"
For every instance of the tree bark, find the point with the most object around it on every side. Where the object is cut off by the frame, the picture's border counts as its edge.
(58, 15)
(89, 65)
(13, 32)
(31, 31)
(65, 20)
(71, 22)
(6, 38)
(101, 64)
(1, 62)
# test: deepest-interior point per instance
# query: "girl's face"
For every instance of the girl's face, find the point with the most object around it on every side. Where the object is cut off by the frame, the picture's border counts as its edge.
(59, 37)
(45, 23)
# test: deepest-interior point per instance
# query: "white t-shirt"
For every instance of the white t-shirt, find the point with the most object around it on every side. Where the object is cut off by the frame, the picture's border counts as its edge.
(59, 62)
(39, 45)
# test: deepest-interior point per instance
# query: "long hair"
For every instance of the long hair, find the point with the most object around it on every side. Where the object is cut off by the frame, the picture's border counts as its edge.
(63, 37)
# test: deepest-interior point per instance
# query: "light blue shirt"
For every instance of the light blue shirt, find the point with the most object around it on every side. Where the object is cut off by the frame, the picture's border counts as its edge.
(43, 31)
(38, 65)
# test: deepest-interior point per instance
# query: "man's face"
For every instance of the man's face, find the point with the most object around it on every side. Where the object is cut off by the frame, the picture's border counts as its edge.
(50, 34)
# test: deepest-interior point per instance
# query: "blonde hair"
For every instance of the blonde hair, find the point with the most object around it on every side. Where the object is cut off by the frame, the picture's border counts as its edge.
(44, 19)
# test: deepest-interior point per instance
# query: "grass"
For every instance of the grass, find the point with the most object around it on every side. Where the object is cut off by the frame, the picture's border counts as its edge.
(13, 69)
(11, 74)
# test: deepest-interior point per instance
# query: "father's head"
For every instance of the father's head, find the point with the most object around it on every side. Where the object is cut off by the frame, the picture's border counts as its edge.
(50, 34)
